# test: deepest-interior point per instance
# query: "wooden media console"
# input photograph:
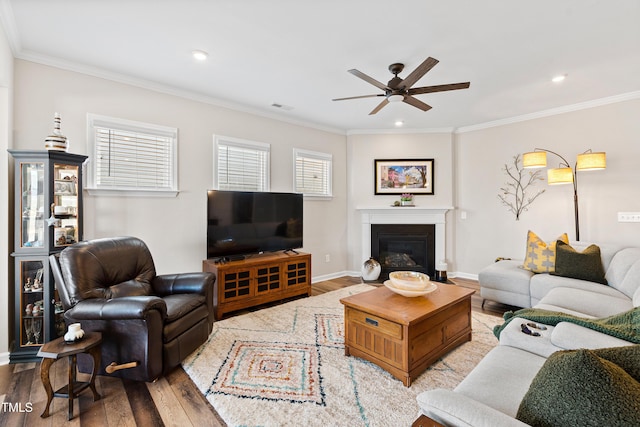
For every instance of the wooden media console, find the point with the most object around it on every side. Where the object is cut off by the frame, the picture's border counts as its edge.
(258, 280)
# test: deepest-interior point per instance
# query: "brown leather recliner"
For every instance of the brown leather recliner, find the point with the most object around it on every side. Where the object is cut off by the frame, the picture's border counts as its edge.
(110, 285)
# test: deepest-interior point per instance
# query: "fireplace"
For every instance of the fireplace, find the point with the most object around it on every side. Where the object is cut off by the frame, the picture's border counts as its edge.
(417, 215)
(406, 247)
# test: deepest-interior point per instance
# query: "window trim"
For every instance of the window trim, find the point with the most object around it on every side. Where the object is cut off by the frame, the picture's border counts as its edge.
(245, 143)
(94, 120)
(328, 157)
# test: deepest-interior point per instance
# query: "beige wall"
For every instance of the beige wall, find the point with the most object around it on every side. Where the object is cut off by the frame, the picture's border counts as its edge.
(6, 289)
(491, 231)
(363, 149)
(175, 228)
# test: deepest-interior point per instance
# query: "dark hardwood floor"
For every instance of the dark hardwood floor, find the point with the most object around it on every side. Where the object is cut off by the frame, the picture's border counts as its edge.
(170, 401)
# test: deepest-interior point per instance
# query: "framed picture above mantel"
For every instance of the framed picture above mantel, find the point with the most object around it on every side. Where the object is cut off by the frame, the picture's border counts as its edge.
(398, 176)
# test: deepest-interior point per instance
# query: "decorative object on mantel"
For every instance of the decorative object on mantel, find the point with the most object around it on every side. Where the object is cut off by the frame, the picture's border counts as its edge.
(406, 199)
(587, 161)
(517, 186)
(371, 270)
(56, 141)
(398, 176)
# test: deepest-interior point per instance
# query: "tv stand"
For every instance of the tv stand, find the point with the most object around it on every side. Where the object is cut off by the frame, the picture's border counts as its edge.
(255, 281)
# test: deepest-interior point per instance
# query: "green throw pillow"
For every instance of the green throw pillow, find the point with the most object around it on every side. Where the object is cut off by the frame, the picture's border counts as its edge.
(578, 388)
(585, 265)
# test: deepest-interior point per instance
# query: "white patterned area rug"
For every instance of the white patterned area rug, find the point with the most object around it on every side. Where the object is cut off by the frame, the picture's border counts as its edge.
(285, 366)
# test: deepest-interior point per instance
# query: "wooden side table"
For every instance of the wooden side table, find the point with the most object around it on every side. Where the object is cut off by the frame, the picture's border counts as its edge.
(57, 349)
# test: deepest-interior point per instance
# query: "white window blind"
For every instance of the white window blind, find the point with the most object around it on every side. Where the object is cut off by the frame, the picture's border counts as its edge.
(241, 165)
(312, 173)
(132, 156)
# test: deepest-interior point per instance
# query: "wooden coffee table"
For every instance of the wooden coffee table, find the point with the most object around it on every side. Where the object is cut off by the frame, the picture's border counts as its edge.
(404, 335)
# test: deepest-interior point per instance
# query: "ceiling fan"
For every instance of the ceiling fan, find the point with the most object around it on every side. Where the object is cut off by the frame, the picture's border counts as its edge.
(400, 89)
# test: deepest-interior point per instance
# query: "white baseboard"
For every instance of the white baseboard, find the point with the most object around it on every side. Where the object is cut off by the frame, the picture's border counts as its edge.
(463, 275)
(4, 358)
(331, 276)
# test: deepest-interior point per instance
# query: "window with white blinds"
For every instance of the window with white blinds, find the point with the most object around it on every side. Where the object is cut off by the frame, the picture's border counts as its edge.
(312, 173)
(240, 164)
(131, 156)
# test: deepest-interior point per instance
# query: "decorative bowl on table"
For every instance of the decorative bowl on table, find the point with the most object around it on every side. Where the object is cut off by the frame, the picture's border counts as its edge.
(430, 287)
(409, 280)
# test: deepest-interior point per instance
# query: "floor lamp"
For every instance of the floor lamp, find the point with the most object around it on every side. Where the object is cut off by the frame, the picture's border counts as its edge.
(565, 174)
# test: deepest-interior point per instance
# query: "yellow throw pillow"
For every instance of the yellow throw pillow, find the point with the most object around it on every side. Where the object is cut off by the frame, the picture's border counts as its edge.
(541, 256)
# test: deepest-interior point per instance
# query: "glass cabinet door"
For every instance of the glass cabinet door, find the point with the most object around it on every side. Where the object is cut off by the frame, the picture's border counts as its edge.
(65, 204)
(32, 205)
(31, 303)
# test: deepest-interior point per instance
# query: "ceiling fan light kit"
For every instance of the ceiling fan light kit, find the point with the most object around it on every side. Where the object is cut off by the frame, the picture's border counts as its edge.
(398, 89)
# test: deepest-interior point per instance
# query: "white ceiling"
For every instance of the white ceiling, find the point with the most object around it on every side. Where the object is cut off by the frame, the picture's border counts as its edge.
(297, 53)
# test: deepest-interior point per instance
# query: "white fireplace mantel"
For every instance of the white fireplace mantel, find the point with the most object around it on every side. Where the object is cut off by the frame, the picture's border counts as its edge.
(403, 215)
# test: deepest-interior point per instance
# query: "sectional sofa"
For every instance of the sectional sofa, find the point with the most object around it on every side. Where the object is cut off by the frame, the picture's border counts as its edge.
(492, 394)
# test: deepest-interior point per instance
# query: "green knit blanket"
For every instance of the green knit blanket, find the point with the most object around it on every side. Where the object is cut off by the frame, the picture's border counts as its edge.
(625, 325)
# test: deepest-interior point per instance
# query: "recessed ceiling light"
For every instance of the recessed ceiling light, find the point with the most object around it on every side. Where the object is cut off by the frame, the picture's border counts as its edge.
(399, 123)
(559, 78)
(200, 55)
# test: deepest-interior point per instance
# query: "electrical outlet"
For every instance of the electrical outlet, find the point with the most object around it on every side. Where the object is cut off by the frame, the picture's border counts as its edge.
(327, 258)
(628, 216)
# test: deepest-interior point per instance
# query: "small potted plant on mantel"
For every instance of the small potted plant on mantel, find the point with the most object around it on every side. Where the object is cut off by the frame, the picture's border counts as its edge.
(406, 199)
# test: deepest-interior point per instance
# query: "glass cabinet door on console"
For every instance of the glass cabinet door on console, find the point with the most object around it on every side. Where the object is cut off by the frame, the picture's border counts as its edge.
(48, 218)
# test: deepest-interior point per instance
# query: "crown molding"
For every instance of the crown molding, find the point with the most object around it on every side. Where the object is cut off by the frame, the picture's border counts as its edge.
(398, 131)
(8, 21)
(164, 88)
(552, 112)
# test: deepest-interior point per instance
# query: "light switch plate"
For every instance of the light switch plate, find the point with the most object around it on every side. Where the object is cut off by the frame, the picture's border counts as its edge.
(628, 216)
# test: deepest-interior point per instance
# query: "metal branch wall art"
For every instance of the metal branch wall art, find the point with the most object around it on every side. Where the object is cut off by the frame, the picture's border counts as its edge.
(514, 193)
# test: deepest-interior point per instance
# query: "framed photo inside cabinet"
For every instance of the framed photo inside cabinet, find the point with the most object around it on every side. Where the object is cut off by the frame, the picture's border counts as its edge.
(400, 176)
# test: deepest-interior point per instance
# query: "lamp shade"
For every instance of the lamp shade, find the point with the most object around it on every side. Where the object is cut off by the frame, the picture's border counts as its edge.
(395, 98)
(534, 159)
(560, 176)
(591, 161)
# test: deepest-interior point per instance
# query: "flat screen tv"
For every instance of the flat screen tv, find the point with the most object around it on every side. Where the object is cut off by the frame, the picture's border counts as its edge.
(244, 222)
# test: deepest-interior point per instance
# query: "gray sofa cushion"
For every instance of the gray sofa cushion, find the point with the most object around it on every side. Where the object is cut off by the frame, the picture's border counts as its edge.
(586, 302)
(624, 271)
(506, 372)
(569, 336)
(506, 281)
(542, 284)
(453, 409)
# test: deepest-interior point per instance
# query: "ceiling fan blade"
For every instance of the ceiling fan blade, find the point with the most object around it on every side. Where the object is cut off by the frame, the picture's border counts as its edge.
(358, 97)
(379, 107)
(438, 88)
(416, 103)
(417, 74)
(366, 78)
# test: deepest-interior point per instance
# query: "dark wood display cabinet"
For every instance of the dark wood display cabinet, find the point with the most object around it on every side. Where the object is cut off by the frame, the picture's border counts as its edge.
(48, 218)
(258, 280)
